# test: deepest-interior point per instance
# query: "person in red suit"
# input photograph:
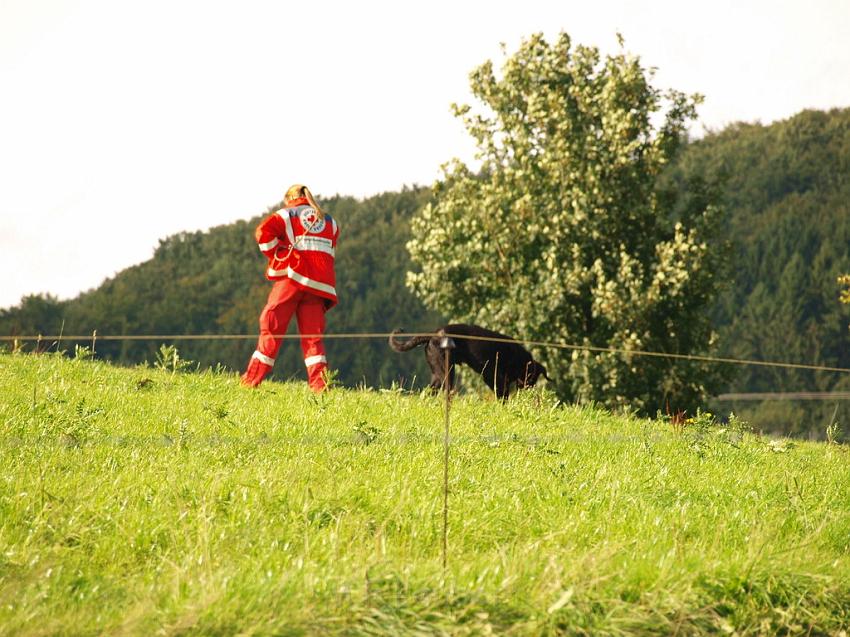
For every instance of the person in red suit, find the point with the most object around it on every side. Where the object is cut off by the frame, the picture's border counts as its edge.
(300, 242)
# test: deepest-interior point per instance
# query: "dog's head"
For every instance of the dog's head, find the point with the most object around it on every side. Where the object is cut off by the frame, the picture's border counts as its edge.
(533, 371)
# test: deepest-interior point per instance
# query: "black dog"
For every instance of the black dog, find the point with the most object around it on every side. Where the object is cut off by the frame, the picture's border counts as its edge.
(500, 362)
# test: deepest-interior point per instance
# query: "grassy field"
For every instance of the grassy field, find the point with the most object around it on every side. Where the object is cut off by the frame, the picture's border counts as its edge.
(140, 501)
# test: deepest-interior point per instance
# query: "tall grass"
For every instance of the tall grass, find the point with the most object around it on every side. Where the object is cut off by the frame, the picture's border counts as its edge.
(143, 501)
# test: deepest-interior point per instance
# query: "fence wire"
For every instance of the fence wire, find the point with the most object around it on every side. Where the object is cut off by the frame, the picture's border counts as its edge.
(55, 339)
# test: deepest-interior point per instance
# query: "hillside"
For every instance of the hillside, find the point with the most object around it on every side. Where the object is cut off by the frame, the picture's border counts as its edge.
(142, 501)
(787, 192)
(786, 188)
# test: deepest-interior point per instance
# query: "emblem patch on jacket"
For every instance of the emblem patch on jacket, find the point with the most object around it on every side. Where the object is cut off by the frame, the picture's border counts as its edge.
(311, 222)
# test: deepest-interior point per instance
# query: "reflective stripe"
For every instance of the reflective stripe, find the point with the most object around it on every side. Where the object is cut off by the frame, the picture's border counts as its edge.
(310, 283)
(315, 244)
(315, 360)
(263, 358)
(268, 246)
(303, 280)
(288, 223)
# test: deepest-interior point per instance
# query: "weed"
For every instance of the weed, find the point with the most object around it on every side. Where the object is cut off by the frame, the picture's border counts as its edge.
(220, 411)
(331, 378)
(365, 433)
(833, 433)
(780, 445)
(168, 359)
(183, 435)
(83, 352)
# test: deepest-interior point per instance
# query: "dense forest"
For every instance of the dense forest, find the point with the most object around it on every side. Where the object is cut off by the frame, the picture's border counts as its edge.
(787, 194)
(786, 190)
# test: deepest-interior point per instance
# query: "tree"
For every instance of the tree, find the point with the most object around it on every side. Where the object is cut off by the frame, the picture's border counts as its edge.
(36, 314)
(566, 234)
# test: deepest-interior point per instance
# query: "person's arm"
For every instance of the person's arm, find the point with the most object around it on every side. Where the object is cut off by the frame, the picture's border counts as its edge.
(271, 235)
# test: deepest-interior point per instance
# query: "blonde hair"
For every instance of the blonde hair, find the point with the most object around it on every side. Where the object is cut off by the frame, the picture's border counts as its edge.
(299, 190)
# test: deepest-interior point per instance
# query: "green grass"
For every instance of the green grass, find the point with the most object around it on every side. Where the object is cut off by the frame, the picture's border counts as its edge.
(137, 501)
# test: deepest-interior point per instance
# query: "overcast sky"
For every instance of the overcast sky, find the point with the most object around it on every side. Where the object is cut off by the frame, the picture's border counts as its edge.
(124, 122)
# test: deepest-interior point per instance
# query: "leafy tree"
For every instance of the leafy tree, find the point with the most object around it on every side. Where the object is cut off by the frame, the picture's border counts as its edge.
(565, 234)
(36, 314)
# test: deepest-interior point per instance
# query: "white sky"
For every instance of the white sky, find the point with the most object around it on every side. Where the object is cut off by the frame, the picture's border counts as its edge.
(124, 122)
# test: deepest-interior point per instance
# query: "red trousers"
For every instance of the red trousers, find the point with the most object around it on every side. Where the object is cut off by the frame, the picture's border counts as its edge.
(286, 299)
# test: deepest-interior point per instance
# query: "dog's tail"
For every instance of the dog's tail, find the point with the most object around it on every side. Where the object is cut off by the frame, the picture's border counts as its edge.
(409, 344)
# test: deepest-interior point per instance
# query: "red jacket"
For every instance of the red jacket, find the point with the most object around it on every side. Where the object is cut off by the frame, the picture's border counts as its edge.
(301, 247)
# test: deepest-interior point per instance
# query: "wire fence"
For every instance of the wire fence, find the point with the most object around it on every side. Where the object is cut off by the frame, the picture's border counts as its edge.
(95, 337)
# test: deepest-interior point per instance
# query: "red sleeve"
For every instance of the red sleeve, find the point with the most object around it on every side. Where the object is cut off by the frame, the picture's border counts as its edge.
(270, 234)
